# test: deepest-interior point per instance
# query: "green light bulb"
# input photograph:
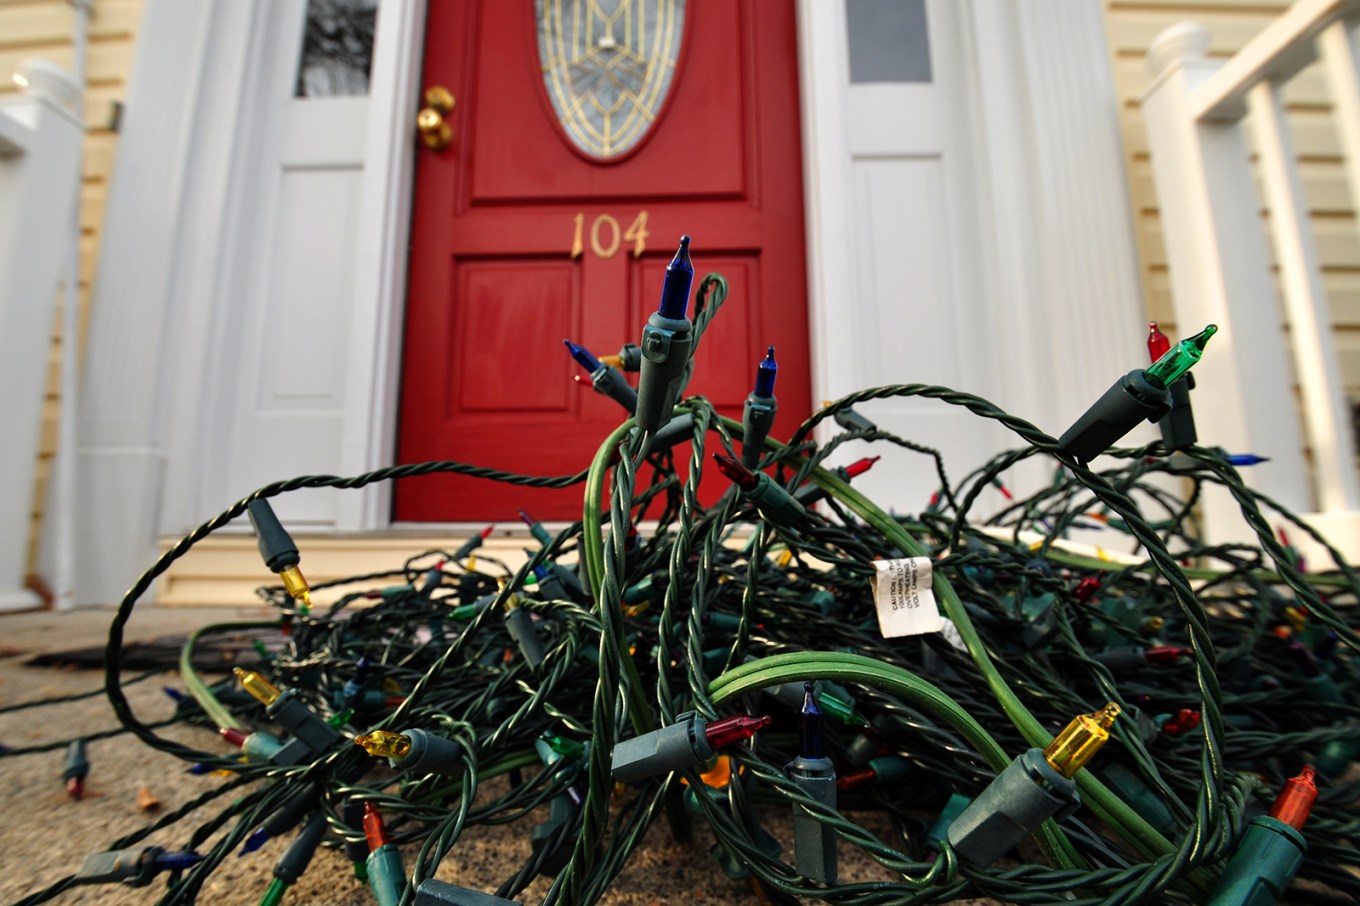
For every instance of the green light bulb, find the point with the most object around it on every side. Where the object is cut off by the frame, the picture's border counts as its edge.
(1179, 359)
(841, 709)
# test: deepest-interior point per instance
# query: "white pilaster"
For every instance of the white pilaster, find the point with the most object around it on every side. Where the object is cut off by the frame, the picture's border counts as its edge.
(40, 139)
(1057, 250)
(152, 303)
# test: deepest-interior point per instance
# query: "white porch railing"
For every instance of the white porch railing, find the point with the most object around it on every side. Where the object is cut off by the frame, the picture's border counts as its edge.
(40, 137)
(1198, 115)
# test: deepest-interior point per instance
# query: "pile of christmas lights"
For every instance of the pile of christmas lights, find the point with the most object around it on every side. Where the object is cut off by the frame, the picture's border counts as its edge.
(1034, 720)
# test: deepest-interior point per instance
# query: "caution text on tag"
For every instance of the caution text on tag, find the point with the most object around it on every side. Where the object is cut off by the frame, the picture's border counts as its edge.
(903, 597)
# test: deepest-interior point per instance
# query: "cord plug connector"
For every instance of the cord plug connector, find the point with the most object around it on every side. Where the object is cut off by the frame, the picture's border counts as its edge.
(629, 358)
(279, 551)
(519, 623)
(386, 874)
(418, 751)
(687, 743)
(433, 892)
(289, 711)
(1128, 401)
(775, 503)
(757, 416)
(1034, 787)
(851, 420)
(296, 858)
(605, 379)
(1271, 851)
(814, 843)
(134, 867)
(76, 768)
(667, 342)
(260, 747)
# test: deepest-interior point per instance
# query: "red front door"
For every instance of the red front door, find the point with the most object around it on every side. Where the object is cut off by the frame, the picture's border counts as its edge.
(533, 226)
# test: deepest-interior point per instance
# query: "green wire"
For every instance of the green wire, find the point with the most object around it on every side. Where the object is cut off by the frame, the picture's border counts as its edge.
(854, 668)
(199, 689)
(1101, 799)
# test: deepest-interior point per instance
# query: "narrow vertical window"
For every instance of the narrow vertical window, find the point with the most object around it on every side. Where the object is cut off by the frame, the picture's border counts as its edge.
(337, 48)
(889, 41)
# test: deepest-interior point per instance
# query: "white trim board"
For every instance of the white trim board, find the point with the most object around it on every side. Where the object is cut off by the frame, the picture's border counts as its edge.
(176, 228)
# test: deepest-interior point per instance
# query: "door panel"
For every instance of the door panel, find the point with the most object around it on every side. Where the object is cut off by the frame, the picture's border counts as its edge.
(521, 240)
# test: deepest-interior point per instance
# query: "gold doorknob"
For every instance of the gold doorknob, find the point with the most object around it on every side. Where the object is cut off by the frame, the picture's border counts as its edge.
(435, 132)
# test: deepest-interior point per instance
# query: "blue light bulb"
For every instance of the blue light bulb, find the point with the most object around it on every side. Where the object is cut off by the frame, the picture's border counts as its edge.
(582, 356)
(813, 739)
(766, 373)
(679, 276)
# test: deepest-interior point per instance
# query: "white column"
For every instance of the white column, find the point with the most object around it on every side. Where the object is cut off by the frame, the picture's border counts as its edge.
(152, 308)
(1220, 274)
(1057, 248)
(40, 137)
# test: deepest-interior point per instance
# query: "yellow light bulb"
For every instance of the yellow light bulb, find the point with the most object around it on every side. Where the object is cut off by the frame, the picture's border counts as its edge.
(384, 744)
(297, 587)
(1080, 739)
(258, 686)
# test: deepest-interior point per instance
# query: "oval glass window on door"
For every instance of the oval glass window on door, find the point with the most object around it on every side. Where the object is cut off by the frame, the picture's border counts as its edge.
(607, 66)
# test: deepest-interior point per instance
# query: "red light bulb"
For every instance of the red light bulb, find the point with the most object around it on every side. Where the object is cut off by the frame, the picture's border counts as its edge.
(1158, 343)
(1086, 589)
(1296, 799)
(373, 827)
(233, 736)
(860, 466)
(1159, 654)
(736, 728)
(850, 781)
(735, 472)
(1183, 722)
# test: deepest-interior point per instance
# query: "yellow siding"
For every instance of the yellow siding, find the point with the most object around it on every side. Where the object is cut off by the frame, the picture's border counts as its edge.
(1131, 27)
(43, 29)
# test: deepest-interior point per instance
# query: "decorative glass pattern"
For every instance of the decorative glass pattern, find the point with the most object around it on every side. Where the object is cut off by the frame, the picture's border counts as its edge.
(337, 48)
(608, 65)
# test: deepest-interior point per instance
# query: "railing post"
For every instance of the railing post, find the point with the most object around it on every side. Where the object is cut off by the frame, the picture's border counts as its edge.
(1326, 422)
(1343, 78)
(1220, 273)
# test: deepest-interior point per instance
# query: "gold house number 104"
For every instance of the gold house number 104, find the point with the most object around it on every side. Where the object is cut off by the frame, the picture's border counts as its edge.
(606, 235)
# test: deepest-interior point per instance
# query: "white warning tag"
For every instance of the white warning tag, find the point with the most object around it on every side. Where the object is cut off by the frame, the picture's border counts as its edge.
(951, 634)
(903, 598)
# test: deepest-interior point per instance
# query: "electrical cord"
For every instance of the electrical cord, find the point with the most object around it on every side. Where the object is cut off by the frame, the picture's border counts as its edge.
(503, 695)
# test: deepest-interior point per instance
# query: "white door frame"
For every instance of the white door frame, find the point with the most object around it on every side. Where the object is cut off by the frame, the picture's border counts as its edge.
(374, 354)
(165, 263)
(1054, 249)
